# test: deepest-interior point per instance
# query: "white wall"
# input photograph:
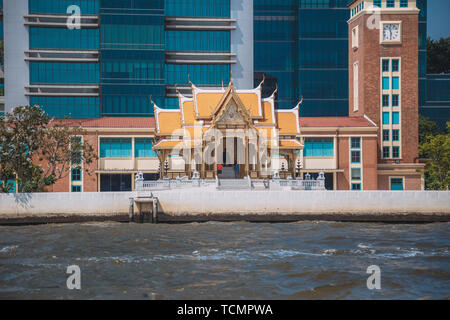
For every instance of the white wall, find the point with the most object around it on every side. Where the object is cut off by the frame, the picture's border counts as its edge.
(16, 36)
(206, 201)
(242, 43)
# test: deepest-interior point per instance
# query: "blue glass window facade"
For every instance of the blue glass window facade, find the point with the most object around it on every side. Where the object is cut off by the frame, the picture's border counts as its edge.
(115, 147)
(198, 41)
(198, 8)
(318, 147)
(60, 72)
(206, 74)
(60, 6)
(63, 38)
(73, 107)
(132, 55)
(143, 148)
(303, 49)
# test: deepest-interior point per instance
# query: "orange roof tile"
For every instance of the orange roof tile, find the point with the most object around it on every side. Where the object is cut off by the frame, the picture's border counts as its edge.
(268, 113)
(112, 122)
(188, 113)
(168, 121)
(335, 122)
(207, 103)
(287, 122)
(250, 102)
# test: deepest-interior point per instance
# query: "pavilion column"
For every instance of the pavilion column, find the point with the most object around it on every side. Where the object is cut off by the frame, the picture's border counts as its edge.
(258, 160)
(293, 163)
(203, 173)
(246, 157)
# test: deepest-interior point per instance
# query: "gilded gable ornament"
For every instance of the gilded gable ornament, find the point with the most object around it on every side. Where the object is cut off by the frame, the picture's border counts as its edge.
(231, 114)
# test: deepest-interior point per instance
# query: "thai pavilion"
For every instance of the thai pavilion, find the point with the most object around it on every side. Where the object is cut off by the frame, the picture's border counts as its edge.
(235, 128)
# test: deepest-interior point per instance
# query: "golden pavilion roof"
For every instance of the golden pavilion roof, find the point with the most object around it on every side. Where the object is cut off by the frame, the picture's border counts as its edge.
(226, 108)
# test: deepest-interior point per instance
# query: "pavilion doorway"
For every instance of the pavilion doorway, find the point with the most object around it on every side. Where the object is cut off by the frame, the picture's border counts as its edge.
(233, 158)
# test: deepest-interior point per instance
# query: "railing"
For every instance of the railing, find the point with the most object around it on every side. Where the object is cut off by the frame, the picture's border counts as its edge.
(232, 184)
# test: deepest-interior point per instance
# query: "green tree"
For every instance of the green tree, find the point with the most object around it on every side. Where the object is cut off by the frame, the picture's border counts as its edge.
(427, 128)
(37, 150)
(438, 56)
(436, 149)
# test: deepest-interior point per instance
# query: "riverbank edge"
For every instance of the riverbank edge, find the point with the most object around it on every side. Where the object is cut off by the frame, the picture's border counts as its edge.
(267, 218)
(175, 206)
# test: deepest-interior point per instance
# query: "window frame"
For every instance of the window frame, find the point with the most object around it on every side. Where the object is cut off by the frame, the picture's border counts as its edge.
(354, 157)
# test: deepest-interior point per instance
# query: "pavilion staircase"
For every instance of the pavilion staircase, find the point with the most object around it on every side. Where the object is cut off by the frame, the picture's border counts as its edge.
(227, 173)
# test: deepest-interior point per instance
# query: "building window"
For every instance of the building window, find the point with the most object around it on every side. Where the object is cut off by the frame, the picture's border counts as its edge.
(395, 65)
(395, 135)
(385, 83)
(377, 3)
(356, 186)
(386, 153)
(356, 156)
(385, 117)
(76, 174)
(356, 173)
(403, 3)
(115, 182)
(385, 65)
(318, 147)
(355, 35)
(385, 100)
(76, 156)
(390, 3)
(76, 188)
(356, 142)
(395, 118)
(385, 135)
(143, 148)
(397, 184)
(395, 83)
(355, 86)
(395, 100)
(115, 147)
(396, 152)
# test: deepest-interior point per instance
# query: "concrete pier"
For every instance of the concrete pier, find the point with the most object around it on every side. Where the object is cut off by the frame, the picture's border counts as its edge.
(186, 205)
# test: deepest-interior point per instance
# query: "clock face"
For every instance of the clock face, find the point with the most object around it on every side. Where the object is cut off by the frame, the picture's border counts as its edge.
(391, 32)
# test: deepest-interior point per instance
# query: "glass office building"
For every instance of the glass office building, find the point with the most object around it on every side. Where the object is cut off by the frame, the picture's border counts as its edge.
(126, 50)
(2, 79)
(301, 45)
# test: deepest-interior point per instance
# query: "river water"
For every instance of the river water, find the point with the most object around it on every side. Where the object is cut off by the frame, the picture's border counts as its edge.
(241, 260)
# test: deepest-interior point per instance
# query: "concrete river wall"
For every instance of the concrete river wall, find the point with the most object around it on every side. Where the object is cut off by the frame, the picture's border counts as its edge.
(251, 205)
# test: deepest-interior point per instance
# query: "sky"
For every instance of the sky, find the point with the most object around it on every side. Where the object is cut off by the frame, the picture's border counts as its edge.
(438, 19)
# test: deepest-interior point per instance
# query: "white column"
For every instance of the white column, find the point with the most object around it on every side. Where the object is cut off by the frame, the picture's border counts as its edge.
(16, 40)
(242, 43)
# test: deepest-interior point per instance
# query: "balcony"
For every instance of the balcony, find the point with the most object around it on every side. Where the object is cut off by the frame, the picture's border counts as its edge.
(195, 57)
(62, 90)
(59, 21)
(37, 55)
(199, 24)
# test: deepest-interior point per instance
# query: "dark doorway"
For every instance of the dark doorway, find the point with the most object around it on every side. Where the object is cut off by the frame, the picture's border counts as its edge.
(115, 182)
(151, 176)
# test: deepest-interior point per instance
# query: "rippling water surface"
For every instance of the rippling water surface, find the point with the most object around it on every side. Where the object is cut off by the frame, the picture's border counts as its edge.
(304, 260)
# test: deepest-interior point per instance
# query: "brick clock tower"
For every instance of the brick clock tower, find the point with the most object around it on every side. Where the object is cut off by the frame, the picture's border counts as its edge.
(383, 85)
